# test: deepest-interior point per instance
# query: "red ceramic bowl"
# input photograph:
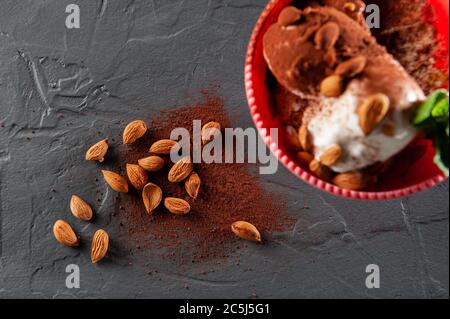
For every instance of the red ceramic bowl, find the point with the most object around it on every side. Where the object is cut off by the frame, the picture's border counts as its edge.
(415, 171)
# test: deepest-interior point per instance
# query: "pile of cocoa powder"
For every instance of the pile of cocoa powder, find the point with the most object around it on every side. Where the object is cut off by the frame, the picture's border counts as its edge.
(228, 193)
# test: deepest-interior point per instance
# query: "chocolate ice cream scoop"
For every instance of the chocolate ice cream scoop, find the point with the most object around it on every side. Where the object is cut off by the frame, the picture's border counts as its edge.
(318, 42)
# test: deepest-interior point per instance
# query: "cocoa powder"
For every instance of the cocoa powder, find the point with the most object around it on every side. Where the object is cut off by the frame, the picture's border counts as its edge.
(228, 193)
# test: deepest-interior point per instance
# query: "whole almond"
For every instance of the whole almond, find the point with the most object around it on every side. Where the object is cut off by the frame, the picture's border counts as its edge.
(292, 138)
(97, 151)
(162, 147)
(304, 158)
(137, 176)
(100, 244)
(351, 180)
(327, 36)
(151, 163)
(331, 155)
(181, 170)
(80, 208)
(210, 131)
(304, 138)
(351, 67)
(350, 7)
(372, 111)
(177, 206)
(289, 16)
(246, 231)
(331, 86)
(192, 185)
(115, 181)
(321, 171)
(64, 233)
(134, 131)
(151, 196)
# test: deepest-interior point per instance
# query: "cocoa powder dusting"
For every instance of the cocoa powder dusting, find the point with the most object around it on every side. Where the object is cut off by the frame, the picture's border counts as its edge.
(228, 193)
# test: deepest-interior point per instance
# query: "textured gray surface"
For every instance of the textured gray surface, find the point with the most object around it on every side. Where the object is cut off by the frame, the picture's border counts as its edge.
(129, 60)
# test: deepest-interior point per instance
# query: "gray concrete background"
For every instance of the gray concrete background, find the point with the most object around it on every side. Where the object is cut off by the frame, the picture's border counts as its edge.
(130, 59)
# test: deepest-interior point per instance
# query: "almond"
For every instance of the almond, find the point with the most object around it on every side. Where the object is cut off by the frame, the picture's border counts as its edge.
(97, 151)
(151, 163)
(137, 176)
(100, 244)
(304, 138)
(304, 158)
(331, 86)
(289, 16)
(152, 196)
(327, 36)
(181, 170)
(331, 155)
(351, 180)
(192, 185)
(115, 181)
(64, 233)
(177, 206)
(351, 67)
(80, 208)
(372, 111)
(350, 7)
(321, 171)
(246, 231)
(210, 131)
(134, 131)
(162, 147)
(292, 138)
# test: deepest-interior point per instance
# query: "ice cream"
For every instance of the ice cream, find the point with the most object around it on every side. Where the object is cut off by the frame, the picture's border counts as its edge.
(359, 97)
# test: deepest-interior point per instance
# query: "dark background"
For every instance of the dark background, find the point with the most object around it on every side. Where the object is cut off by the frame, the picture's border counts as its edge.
(129, 60)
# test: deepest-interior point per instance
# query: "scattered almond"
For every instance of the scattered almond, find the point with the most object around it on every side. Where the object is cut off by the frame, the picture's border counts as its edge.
(351, 67)
(134, 131)
(80, 208)
(64, 233)
(192, 185)
(372, 111)
(177, 206)
(152, 196)
(321, 171)
(151, 163)
(292, 138)
(331, 155)
(351, 180)
(100, 244)
(304, 158)
(97, 151)
(181, 170)
(137, 176)
(304, 138)
(115, 181)
(210, 131)
(331, 86)
(327, 36)
(162, 147)
(246, 231)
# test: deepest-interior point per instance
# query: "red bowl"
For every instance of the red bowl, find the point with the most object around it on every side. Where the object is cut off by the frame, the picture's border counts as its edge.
(416, 170)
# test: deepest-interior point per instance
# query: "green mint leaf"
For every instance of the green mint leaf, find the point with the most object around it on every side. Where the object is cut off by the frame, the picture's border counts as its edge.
(424, 111)
(440, 111)
(432, 116)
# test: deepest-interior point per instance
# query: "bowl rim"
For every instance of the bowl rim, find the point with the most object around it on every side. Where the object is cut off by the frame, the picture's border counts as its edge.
(286, 160)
